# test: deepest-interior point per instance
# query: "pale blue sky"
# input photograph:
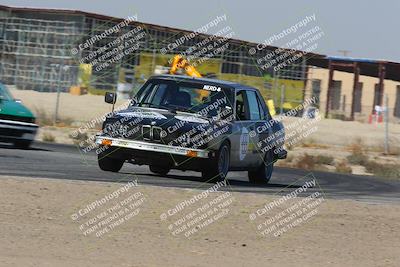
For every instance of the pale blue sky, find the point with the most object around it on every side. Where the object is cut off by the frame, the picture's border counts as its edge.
(369, 29)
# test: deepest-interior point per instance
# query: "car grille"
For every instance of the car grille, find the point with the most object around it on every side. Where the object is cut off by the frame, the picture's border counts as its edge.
(151, 133)
(146, 132)
(12, 133)
(16, 118)
(157, 133)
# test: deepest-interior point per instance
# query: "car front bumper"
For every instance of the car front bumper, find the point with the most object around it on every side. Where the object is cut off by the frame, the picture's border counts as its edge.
(152, 147)
(16, 130)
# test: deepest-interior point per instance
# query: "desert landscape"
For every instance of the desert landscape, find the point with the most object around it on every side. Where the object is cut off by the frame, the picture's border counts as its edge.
(37, 232)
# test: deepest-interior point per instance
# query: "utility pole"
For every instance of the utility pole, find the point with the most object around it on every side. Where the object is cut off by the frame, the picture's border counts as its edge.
(344, 52)
(386, 124)
(58, 94)
(61, 68)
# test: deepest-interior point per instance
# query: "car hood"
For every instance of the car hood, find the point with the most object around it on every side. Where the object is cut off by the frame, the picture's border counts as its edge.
(12, 108)
(155, 114)
(174, 128)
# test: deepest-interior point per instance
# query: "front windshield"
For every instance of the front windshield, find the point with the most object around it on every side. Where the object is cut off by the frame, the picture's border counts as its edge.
(195, 97)
(4, 93)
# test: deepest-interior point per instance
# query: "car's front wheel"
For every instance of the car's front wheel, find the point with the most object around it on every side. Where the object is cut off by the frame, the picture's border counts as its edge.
(159, 170)
(218, 168)
(23, 144)
(263, 174)
(110, 164)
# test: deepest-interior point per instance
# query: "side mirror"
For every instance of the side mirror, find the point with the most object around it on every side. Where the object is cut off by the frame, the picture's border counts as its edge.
(110, 98)
(133, 101)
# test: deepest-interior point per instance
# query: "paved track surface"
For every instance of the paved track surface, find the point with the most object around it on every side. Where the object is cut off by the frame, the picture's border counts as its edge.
(45, 160)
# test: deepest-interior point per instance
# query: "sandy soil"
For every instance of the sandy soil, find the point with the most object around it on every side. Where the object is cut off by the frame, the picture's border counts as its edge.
(337, 132)
(77, 108)
(63, 135)
(37, 230)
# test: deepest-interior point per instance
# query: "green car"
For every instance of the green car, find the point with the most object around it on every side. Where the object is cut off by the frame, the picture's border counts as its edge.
(17, 123)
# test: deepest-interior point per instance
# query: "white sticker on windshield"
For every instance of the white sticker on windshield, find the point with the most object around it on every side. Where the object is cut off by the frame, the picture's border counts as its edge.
(212, 88)
(191, 119)
(142, 114)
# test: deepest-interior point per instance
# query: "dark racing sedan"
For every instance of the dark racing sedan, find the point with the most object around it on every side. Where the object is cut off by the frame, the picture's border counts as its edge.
(185, 123)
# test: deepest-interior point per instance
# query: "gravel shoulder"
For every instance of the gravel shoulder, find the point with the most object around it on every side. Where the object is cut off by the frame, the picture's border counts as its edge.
(37, 230)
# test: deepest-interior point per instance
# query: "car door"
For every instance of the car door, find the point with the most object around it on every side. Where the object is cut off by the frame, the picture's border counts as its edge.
(244, 143)
(263, 127)
(257, 116)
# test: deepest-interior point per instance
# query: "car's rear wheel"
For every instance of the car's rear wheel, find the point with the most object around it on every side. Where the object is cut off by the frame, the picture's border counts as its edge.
(110, 164)
(159, 170)
(263, 174)
(219, 167)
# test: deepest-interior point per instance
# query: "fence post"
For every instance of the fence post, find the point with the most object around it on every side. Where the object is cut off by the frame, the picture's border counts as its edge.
(386, 124)
(58, 95)
(275, 88)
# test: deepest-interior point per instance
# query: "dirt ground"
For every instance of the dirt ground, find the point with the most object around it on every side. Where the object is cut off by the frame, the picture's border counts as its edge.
(76, 108)
(337, 132)
(37, 229)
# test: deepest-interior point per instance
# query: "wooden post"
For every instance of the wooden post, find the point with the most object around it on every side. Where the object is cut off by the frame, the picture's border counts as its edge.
(382, 72)
(355, 87)
(330, 83)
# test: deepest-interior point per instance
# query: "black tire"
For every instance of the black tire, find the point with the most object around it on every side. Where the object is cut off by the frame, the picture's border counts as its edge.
(159, 170)
(219, 167)
(23, 144)
(110, 164)
(263, 174)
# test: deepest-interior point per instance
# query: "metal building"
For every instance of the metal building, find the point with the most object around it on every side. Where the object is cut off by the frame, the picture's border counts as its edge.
(36, 51)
